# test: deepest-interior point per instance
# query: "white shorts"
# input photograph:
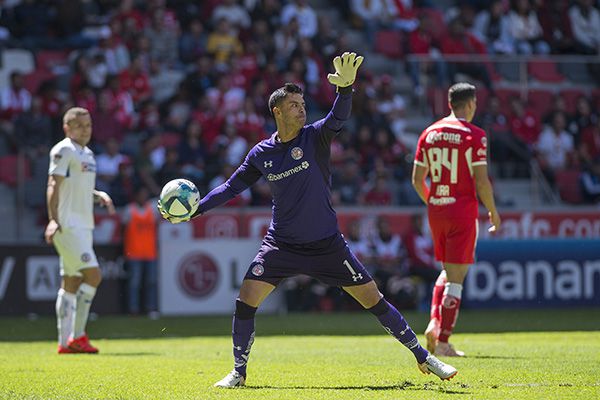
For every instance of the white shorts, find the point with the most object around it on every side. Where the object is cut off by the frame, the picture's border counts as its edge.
(74, 246)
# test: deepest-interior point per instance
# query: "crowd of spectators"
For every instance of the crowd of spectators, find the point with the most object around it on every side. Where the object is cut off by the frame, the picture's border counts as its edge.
(179, 88)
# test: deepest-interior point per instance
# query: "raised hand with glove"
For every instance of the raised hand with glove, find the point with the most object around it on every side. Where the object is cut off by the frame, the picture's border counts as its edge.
(346, 67)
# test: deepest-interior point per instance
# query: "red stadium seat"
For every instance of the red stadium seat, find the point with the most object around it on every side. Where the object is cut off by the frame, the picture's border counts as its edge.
(48, 60)
(389, 43)
(34, 79)
(569, 189)
(540, 101)
(544, 70)
(571, 96)
(438, 101)
(9, 170)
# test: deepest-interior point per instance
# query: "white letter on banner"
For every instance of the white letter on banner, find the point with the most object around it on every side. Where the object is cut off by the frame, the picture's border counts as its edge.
(533, 268)
(7, 268)
(487, 291)
(510, 281)
(567, 284)
(590, 268)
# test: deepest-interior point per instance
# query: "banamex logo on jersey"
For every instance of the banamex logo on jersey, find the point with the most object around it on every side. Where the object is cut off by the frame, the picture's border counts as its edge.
(198, 275)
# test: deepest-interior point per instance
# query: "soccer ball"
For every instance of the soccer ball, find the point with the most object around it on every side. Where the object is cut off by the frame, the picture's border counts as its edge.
(180, 198)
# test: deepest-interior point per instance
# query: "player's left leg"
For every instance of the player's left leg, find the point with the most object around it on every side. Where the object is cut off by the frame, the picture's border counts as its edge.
(370, 298)
(433, 328)
(451, 299)
(85, 295)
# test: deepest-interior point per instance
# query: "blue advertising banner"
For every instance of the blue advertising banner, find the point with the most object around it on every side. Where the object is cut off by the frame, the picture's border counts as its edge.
(534, 273)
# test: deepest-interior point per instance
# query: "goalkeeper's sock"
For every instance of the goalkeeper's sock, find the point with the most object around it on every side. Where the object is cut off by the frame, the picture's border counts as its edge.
(85, 295)
(65, 308)
(394, 323)
(450, 307)
(243, 335)
(436, 297)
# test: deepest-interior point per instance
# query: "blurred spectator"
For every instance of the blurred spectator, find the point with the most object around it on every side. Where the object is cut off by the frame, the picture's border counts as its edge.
(524, 123)
(14, 99)
(557, 28)
(380, 193)
(555, 147)
(491, 26)
(192, 42)
(347, 183)
(421, 42)
(525, 29)
(326, 38)
(171, 169)
(369, 15)
(140, 219)
(33, 128)
(222, 43)
(402, 14)
(584, 118)
(105, 121)
(162, 38)
(135, 81)
(360, 244)
(585, 22)
(391, 265)
(460, 42)
(192, 152)
(144, 167)
(286, 42)
(234, 13)
(108, 164)
(97, 70)
(306, 16)
(164, 81)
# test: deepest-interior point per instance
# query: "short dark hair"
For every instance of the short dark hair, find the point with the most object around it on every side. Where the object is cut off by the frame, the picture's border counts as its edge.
(460, 93)
(278, 95)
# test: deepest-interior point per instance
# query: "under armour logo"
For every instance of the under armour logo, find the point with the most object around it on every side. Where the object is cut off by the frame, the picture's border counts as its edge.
(268, 164)
(357, 277)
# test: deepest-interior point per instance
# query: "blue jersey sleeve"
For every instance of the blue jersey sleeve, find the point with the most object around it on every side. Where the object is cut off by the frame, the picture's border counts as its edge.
(331, 125)
(244, 177)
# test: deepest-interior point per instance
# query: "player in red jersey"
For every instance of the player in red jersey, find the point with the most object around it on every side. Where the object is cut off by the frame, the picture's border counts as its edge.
(453, 154)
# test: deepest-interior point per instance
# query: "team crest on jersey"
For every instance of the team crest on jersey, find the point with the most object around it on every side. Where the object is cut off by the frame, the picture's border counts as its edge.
(297, 153)
(85, 257)
(88, 167)
(258, 270)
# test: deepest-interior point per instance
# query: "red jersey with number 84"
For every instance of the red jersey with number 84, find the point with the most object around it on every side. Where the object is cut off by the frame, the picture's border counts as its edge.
(450, 148)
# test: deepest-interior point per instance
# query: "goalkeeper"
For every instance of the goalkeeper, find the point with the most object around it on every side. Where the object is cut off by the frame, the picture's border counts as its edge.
(304, 237)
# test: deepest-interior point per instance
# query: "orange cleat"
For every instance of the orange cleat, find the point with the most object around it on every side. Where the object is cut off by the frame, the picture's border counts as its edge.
(65, 350)
(81, 345)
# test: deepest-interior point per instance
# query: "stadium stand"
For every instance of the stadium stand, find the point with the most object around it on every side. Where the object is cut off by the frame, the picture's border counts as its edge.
(148, 71)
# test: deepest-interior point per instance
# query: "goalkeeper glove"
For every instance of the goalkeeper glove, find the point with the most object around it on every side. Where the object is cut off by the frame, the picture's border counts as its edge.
(345, 66)
(170, 218)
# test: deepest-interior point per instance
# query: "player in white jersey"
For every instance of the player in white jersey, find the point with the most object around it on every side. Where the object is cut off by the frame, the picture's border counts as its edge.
(70, 198)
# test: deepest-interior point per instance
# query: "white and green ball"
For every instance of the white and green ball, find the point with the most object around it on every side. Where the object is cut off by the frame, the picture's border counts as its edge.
(180, 198)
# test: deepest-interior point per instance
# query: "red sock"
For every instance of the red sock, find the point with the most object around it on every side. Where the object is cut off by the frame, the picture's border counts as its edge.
(436, 297)
(450, 307)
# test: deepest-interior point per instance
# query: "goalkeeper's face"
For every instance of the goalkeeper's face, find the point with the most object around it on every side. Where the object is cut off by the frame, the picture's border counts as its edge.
(293, 110)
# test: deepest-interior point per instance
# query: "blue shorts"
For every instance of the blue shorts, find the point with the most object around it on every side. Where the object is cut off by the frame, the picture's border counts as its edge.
(329, 260)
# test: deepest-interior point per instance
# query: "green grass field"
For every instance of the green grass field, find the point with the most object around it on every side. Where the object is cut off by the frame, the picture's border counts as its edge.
(550, 354)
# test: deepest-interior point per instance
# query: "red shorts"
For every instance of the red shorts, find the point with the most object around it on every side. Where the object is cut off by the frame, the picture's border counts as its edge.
(454, 239)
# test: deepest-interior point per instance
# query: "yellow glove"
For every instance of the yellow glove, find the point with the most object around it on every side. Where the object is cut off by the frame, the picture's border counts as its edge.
(345, 66)
(170, 218)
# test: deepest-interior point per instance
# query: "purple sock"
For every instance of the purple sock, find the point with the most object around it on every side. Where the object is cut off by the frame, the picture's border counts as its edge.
(243, 337)
(394, 323)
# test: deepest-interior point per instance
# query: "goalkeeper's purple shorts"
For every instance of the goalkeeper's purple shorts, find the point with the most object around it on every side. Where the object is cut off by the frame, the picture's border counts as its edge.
(328, 260)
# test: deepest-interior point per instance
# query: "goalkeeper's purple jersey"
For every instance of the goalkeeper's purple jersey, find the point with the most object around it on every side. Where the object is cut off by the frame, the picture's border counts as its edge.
(299, 175)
